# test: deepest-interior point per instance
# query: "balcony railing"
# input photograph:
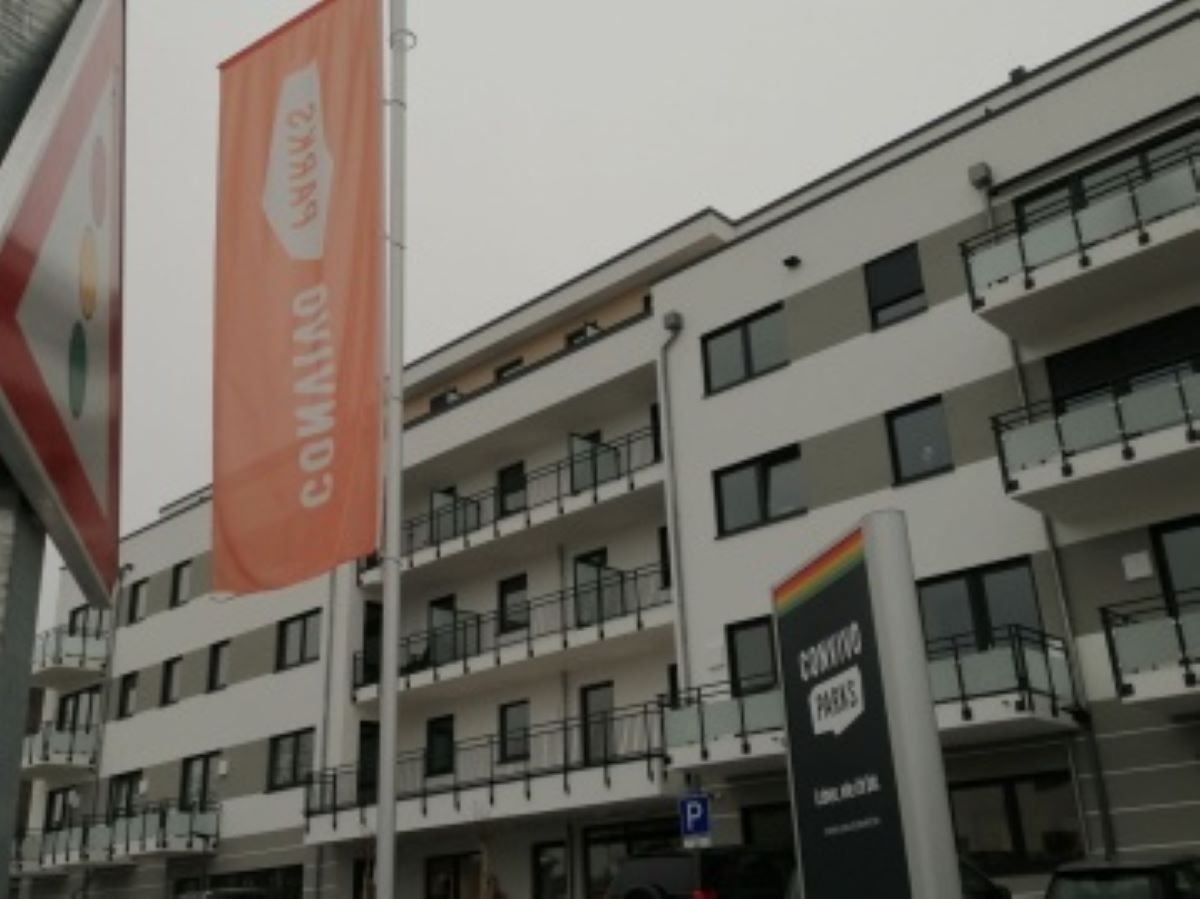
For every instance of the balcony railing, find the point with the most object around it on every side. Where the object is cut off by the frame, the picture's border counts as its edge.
(151, 829)
(55, 745)
(83, 645)
(701, 715)
(597, 742)
(1124, 204)
(614, 595)
(580, 474)
(1112, 415)
(1153, 634)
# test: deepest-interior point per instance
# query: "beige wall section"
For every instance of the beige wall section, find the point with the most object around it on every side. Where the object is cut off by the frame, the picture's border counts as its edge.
(848, 462)
(202, 574)
(941, 260)
(162, 782)
(158, 592)
(537, 348)
(193, 674)
(827, 314)
(247, 770)
(969, 410)
(1095, 575)
(252, 654)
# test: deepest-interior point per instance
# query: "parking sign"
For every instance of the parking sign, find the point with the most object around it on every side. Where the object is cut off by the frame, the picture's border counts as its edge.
(694, 821)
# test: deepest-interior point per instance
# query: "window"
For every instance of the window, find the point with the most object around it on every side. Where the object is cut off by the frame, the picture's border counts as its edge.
(1177, 547)
(895, 288)
(596, 704)
(439, 402)
(664, 558)
(514, 731)
(920, 441)
(78, 711)
(218, 666)
(744, 350)
(136, 610)
(583, 334)
(751, 656)
(196, 781)
(514, 603)
(759, 491)
(979, 607)
(510, 489)
(439, 746)
(59, 807)
(509, 368)
(127, 695)
(1019, 825)
(550, 871)
(123, 791)
(181, 584)
(453, 876)
(299, 641)
(83, 620)
(169, 694)
(768, 827)
(605, 847)
(290, 760)
(593, 462)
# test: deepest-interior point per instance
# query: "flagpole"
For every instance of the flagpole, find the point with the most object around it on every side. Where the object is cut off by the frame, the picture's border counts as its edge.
(394, 165)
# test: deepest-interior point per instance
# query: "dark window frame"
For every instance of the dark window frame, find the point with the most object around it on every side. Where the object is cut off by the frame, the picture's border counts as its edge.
(443, 767)
(135, 610)
(178, 570)
(505, 489)
(761, 465)
(128, 782)
(736, 688)
(445, 399)
(890, 419)
(170, 687)
(664, 558)
(1170, 591)
(299, 773)
(127, 695)
(974, 577)
(535, 854)
(504, 590)
(304, 621)
(874, 306)
(506, 370)
(218, 659)
(207, 762)
(741, 325)
(505, 756)
(581, 335)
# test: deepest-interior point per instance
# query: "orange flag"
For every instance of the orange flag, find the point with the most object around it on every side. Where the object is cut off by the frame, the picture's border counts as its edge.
(300, 248)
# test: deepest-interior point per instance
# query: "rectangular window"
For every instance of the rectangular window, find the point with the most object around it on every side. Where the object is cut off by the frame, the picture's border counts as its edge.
(1177, 546)
(920, 441)
(751, 649)
(136, 610)
(439, 746)
(509, 368)
(979, 607)
(181, 584)
(596, 704)
(127, 695)
(123, 791)
(582, 335)
(196, 782)
(550, 871)
(83, 620)
(593, 462)
(664, 558)
(759, 491)
(290, 760)
(169, 694)
(60, 805)
(514, 603)
(514, 731)
(510, 489)
(895, 287)
(744, 350)
(440, 402)
(218, 666)
(299, 641)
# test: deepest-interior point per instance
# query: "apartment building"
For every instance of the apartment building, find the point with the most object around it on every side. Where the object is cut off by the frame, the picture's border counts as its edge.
(991, 323)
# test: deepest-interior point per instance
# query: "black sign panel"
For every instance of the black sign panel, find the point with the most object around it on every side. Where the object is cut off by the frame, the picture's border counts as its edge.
(842, 771)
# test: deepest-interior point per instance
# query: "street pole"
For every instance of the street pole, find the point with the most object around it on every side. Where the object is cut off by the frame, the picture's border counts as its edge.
(21, 544)
(394, 166)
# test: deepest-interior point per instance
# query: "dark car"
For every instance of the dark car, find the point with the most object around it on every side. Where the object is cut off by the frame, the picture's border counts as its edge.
(1128, 878)
(975, 884)
(726, 872)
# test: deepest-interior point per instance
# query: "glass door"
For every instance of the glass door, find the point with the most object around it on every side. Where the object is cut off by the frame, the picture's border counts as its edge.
(443, 506)
(1178, 547)
(443, 640)
(550, 871)
(589, 573)
(368, 760)
(453, 877)
(596, 704)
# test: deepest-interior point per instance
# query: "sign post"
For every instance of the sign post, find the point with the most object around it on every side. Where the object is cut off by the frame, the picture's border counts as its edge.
(869, 801)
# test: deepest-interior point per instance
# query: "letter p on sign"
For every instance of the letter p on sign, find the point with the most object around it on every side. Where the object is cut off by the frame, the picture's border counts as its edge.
(694, 821)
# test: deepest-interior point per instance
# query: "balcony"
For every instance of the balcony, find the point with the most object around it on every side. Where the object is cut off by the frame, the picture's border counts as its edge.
(1015, 686)
(609, 469)
(60, 755)
(617, 604)
(560, 766)
(1132, 247)
(154, 831)
(70, 656)
(1154, 647)
(1136, 440)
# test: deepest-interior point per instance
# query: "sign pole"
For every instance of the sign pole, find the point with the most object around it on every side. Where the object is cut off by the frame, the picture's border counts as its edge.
(394, 163)
(21, 545)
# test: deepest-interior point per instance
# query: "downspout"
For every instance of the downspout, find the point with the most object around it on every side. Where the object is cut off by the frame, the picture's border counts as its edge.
(673, 324)
(326, 701)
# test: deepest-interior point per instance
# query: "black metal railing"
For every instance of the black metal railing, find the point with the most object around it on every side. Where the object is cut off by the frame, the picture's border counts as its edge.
(73, 645)
(1153, 634)
(65, 744)
(151, 827)
(559, 748)
(612, 596)
(701, 715)
(1113, 414)
(1125, 203)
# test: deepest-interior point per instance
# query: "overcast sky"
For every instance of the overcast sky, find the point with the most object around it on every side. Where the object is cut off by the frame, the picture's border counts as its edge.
(545, 135)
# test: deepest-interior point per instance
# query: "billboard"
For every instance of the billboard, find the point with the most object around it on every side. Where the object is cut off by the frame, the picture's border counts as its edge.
(868, 790)
(61, 223)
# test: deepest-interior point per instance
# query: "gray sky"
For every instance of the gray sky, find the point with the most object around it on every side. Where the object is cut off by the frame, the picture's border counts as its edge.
(545, 135)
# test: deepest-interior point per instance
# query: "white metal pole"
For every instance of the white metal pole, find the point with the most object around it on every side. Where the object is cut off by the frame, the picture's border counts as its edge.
(394, 165)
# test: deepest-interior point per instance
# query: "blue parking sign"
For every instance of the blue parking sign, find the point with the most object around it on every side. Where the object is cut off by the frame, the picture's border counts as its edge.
(694, 819)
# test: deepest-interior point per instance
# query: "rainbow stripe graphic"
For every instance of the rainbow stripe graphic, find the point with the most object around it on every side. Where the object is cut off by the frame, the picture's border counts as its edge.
(819, 573)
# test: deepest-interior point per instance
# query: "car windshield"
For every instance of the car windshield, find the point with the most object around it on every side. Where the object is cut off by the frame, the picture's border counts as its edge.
(1107, 885)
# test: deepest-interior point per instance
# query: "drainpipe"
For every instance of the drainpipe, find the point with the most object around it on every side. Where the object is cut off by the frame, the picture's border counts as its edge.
(326, 703)
(673, 324)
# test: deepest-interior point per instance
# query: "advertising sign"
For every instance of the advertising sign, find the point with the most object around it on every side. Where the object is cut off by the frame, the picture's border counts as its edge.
(60, 297)
(297, 401)
(868, 792)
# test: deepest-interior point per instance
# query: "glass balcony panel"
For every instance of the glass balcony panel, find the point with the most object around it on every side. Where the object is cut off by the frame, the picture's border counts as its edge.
(179, 824)
(1169, 192)
(1030, 445)
(120, 833)
(682, 725)
(942, 680)
(995, 263)
(1090, 426)
(1062, 676)
(721, 718)
(74, 840)
(764, 711)
(1107, 217)
(1152, 407)
(990, 671)
(1049, 241)
(1146, 645)
(1037, 668)
(1189, 620)
(1191, 390)
(99, 838)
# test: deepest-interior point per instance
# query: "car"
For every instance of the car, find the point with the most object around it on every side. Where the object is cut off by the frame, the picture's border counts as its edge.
(1127, 878)
(975, 884)
(725, 872)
